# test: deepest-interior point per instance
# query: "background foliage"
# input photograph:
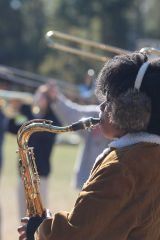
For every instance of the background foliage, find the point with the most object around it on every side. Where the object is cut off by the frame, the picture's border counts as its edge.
(23, 24)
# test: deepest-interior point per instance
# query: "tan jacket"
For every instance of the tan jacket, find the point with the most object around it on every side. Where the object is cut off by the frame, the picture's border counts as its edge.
(120, 200)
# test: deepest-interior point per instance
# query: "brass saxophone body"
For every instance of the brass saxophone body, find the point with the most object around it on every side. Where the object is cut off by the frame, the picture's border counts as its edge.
(27, 165)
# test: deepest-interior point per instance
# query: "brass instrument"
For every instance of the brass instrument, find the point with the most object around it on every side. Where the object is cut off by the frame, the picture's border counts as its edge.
(150, 51)
(50, 35)
(10, 101)
(8, 95)
(28, 169)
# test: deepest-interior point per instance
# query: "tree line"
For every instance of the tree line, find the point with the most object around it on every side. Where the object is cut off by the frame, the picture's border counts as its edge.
(24, 23)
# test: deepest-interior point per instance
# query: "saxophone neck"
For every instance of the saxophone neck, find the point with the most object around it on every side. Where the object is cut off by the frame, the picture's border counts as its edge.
(43, 125)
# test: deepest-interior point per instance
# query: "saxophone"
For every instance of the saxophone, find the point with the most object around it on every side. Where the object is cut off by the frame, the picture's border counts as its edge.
(27, 165)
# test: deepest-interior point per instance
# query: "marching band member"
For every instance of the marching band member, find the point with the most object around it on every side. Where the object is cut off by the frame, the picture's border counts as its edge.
(92, 141)
(120, 200)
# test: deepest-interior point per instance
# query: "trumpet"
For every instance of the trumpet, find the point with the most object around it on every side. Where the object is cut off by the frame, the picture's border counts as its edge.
(51, 35)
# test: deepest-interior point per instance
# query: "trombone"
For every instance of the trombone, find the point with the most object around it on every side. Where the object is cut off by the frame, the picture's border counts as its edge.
(51, 35)
(31, 81)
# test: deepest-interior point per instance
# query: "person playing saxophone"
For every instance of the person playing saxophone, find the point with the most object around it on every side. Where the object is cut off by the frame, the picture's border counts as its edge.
(120, 200)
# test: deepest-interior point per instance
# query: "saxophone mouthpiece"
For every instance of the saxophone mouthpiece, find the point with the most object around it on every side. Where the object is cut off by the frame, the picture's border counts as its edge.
(85, 123)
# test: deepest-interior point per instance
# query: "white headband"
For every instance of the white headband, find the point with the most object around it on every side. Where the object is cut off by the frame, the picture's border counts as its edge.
(140, 75)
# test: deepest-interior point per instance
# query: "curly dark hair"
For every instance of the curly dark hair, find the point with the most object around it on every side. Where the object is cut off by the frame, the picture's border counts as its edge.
(131, 110)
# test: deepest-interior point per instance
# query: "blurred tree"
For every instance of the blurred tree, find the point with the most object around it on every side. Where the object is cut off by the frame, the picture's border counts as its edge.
(22, 31)
(10, 33)
(34, 22)
(112, 17)
(151, 18)
(23, 24)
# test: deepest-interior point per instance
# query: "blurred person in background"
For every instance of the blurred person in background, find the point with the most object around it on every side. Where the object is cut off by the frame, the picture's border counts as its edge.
(42, 142)
(3, 128)
(86, 89)
(92, 141)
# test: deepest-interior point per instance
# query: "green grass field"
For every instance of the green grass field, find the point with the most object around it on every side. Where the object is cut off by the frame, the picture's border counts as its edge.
(61, 193)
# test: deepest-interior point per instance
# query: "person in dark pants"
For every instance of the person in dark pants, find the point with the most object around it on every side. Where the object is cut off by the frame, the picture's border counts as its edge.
(42, 142)
(3, 128)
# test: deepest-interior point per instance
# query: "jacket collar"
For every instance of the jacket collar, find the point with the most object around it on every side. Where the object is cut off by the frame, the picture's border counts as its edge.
(128, 140)
(133, 138)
